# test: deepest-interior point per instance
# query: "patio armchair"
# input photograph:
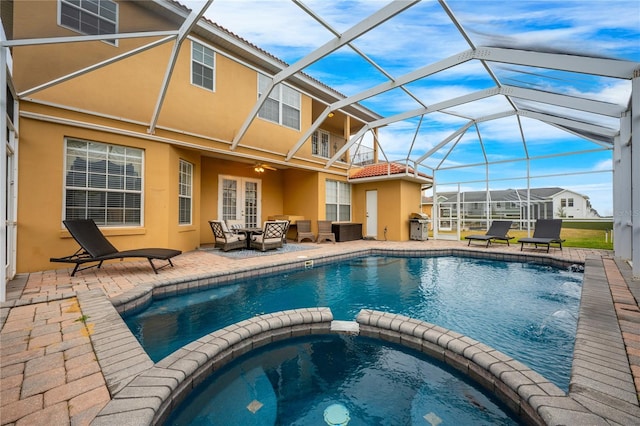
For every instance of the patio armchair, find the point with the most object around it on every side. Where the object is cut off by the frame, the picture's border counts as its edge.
(286, 229)
(499, 230)
(271, 237)
(324, 232)
(95, 248)
(234, 224)
(304, 231)
(546, 232)
(225, 239)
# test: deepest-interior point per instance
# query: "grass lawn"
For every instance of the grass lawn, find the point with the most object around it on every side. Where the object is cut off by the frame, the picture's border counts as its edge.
(583, 238)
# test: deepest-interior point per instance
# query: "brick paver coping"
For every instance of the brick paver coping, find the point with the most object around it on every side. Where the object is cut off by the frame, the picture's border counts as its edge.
(68, 358)
(151, 395)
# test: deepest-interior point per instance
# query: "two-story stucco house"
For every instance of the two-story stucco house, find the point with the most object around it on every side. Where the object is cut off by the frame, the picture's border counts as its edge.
(161, 126)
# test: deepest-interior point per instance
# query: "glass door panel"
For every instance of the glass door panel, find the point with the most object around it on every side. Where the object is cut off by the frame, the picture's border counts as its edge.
(230, 208)
(239, 199)
(251, 204)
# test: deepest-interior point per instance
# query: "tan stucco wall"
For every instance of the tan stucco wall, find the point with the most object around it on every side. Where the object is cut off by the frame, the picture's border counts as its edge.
(131, 87)
(302, 195)
(397, 199)
(35, 65)
(41, 180)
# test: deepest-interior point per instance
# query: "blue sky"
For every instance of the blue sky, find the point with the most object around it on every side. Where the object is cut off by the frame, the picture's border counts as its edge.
(424, 34)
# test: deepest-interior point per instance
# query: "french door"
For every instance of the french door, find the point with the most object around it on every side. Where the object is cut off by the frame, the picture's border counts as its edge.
(239, 199)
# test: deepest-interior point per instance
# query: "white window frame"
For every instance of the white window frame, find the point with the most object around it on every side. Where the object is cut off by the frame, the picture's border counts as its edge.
(185, 191)
(286, 98)
(206, 50)
(320, 144)
(132, 185)
(342, 199)
(82, 7)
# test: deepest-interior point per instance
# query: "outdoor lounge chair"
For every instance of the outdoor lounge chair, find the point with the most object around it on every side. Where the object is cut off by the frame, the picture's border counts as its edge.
(324, 232)
(225, 239)
(547, 232)
(95, 248)
(271, 237)
(303, 228)
(499, 230)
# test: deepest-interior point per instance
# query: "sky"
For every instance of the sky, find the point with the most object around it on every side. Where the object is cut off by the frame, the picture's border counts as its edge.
(424, 34)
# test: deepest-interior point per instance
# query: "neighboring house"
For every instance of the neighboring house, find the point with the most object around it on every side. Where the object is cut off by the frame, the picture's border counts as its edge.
(149, 137)
(545, 203)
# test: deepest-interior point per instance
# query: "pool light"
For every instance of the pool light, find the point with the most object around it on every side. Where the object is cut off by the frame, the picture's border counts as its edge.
(336, 415)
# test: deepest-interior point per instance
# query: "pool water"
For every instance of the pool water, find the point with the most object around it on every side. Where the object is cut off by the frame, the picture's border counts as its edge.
(295, 382)
(525, 310)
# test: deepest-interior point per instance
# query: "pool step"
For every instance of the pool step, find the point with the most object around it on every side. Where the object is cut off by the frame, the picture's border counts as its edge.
(348, 327)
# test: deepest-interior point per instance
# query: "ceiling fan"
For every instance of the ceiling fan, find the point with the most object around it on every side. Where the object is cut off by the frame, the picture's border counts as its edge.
(261, 167)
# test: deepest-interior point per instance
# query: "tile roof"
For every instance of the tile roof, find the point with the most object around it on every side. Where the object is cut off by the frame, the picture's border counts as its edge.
(384, 169)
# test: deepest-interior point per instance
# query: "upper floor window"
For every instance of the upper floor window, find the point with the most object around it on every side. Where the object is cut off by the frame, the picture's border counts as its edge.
(283, 104)
(202, 66)
(338, 201)
(185, 184)
(103, 182)
(566, 202)
(320, 143)
(91, 17)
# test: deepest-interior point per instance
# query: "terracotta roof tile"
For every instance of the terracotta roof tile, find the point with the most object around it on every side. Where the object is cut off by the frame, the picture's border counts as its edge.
(383, 169)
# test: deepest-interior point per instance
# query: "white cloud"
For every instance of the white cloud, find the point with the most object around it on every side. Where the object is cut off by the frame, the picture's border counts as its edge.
(616, 92)
(606, 164)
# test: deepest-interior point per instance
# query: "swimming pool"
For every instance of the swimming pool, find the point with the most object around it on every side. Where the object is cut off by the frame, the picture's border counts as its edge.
(302, 381)
(525, 310)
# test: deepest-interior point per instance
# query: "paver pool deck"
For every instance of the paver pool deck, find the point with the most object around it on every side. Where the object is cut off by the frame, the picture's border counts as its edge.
(61, 361)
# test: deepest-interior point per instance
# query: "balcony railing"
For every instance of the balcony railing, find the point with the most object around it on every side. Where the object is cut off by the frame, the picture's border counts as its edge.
(363, 156)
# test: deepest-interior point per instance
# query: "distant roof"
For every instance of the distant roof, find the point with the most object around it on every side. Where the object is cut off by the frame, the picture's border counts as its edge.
(536, 194)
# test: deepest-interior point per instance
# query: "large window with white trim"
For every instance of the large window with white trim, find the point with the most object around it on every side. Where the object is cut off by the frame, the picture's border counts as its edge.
(202, 66)
(103, 182)
(91, 17)
(185, 185)
(283, 104)
(338, 201)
